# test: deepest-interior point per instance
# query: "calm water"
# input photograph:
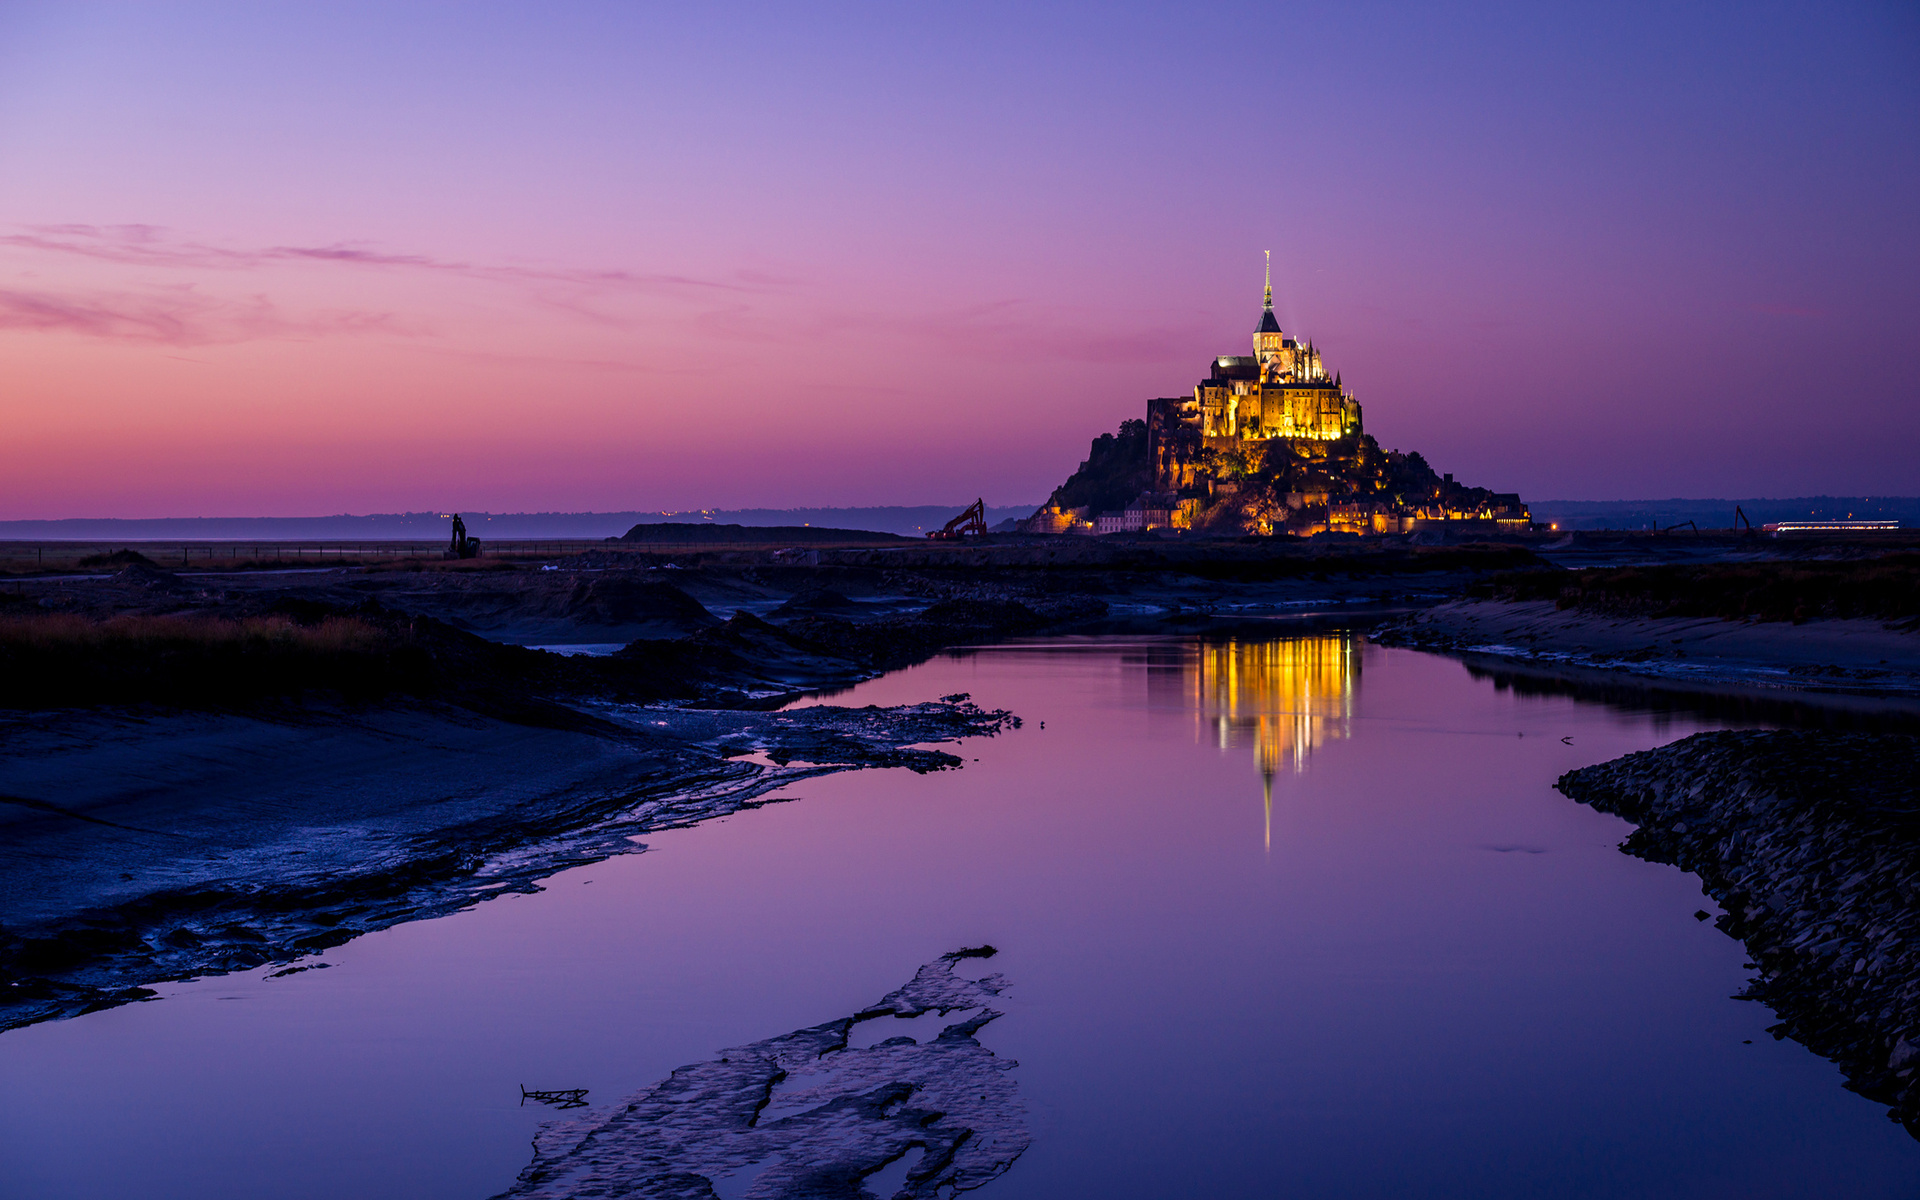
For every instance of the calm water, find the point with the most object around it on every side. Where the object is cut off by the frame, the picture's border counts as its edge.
(1289, 917)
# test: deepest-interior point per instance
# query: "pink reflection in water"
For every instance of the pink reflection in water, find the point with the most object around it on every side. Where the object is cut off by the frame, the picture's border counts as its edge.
(1295, 915)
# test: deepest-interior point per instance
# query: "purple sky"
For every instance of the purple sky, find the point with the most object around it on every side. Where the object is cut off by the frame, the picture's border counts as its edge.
(294, 259)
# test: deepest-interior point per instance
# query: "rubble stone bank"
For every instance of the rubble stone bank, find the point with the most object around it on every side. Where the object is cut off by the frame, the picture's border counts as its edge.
(1810, 841)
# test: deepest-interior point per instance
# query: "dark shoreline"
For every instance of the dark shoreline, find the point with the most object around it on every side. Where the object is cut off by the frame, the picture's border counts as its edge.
(1810, 842)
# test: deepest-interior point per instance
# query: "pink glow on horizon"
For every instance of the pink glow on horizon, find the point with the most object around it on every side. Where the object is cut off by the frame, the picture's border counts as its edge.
(259, 263)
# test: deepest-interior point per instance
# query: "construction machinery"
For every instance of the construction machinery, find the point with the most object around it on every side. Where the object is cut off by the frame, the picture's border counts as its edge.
(972, 522)
(460, 545)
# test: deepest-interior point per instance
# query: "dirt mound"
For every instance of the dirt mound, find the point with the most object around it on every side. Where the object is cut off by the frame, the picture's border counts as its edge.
(624, 600)
(119, 558)
(817, 600)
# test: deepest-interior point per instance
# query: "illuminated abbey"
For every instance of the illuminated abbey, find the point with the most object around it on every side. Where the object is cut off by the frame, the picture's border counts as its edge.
(1268, 443)
(1281, 390)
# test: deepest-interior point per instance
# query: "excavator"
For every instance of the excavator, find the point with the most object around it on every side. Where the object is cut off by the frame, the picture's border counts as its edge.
(973, 521)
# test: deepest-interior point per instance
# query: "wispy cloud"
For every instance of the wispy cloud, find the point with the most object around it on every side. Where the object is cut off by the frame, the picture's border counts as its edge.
(158, 255)
(178, 318)
(156, 246)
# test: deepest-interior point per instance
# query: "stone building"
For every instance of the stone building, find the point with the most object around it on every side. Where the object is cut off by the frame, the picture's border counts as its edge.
(1267, 442)
(1281, 390)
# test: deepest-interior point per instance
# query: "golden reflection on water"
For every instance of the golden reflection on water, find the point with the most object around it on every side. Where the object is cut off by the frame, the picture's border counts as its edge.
(1287, 697)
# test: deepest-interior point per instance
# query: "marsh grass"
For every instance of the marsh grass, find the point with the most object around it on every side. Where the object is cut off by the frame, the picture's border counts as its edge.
(63, 658)
(67, 631)
(1885, 589)
(119, 558)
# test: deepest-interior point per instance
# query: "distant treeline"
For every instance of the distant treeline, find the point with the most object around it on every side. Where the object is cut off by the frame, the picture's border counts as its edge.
(910, 520)
(1718, 514)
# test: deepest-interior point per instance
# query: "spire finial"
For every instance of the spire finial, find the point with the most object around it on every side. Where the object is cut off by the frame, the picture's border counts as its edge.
(1269, 255)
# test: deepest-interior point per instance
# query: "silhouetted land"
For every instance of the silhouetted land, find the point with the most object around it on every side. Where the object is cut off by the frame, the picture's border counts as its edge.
(207, 771)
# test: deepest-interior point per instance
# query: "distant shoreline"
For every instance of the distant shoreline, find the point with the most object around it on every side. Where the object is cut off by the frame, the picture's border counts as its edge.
(909, 520)
(906, 520)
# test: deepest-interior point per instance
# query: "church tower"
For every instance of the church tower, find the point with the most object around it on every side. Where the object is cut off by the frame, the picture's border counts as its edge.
(1268, 341)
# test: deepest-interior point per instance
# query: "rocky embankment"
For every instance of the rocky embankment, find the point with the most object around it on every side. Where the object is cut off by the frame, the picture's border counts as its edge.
(1810, 842)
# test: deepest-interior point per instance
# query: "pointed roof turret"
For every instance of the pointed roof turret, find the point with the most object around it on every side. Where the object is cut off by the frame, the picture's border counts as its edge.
(1267, 322)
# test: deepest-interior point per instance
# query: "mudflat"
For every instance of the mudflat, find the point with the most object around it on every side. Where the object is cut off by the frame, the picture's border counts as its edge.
(1858, 656)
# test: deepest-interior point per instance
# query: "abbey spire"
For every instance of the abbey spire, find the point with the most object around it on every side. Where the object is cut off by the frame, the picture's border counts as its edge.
(1268, 324)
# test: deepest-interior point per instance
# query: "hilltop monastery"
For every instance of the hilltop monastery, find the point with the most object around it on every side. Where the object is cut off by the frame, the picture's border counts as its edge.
(1267, 442)
(1281, 390)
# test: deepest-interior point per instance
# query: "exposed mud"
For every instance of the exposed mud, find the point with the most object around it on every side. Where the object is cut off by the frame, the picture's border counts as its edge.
(1868, 659)
(151, 846)
(1810, 842)
(806, 1116)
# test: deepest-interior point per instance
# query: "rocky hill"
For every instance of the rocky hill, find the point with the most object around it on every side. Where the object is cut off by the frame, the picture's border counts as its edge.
(1281, 485)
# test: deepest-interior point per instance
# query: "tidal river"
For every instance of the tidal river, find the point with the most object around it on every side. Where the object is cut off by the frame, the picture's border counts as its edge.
(1278, 916)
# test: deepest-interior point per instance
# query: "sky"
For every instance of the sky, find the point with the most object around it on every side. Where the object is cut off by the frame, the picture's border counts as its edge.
(297, 259)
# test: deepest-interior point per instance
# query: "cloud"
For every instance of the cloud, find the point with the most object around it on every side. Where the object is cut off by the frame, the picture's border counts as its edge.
(177, 318)
(133, 315)
(154, 246)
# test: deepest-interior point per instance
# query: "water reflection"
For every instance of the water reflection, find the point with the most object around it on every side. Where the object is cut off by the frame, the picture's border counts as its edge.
(1400, 1011)
(1287, 697)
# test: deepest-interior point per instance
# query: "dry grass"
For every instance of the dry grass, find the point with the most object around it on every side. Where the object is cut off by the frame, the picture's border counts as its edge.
(53, 632)
(62, 658)
(1885, 588)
